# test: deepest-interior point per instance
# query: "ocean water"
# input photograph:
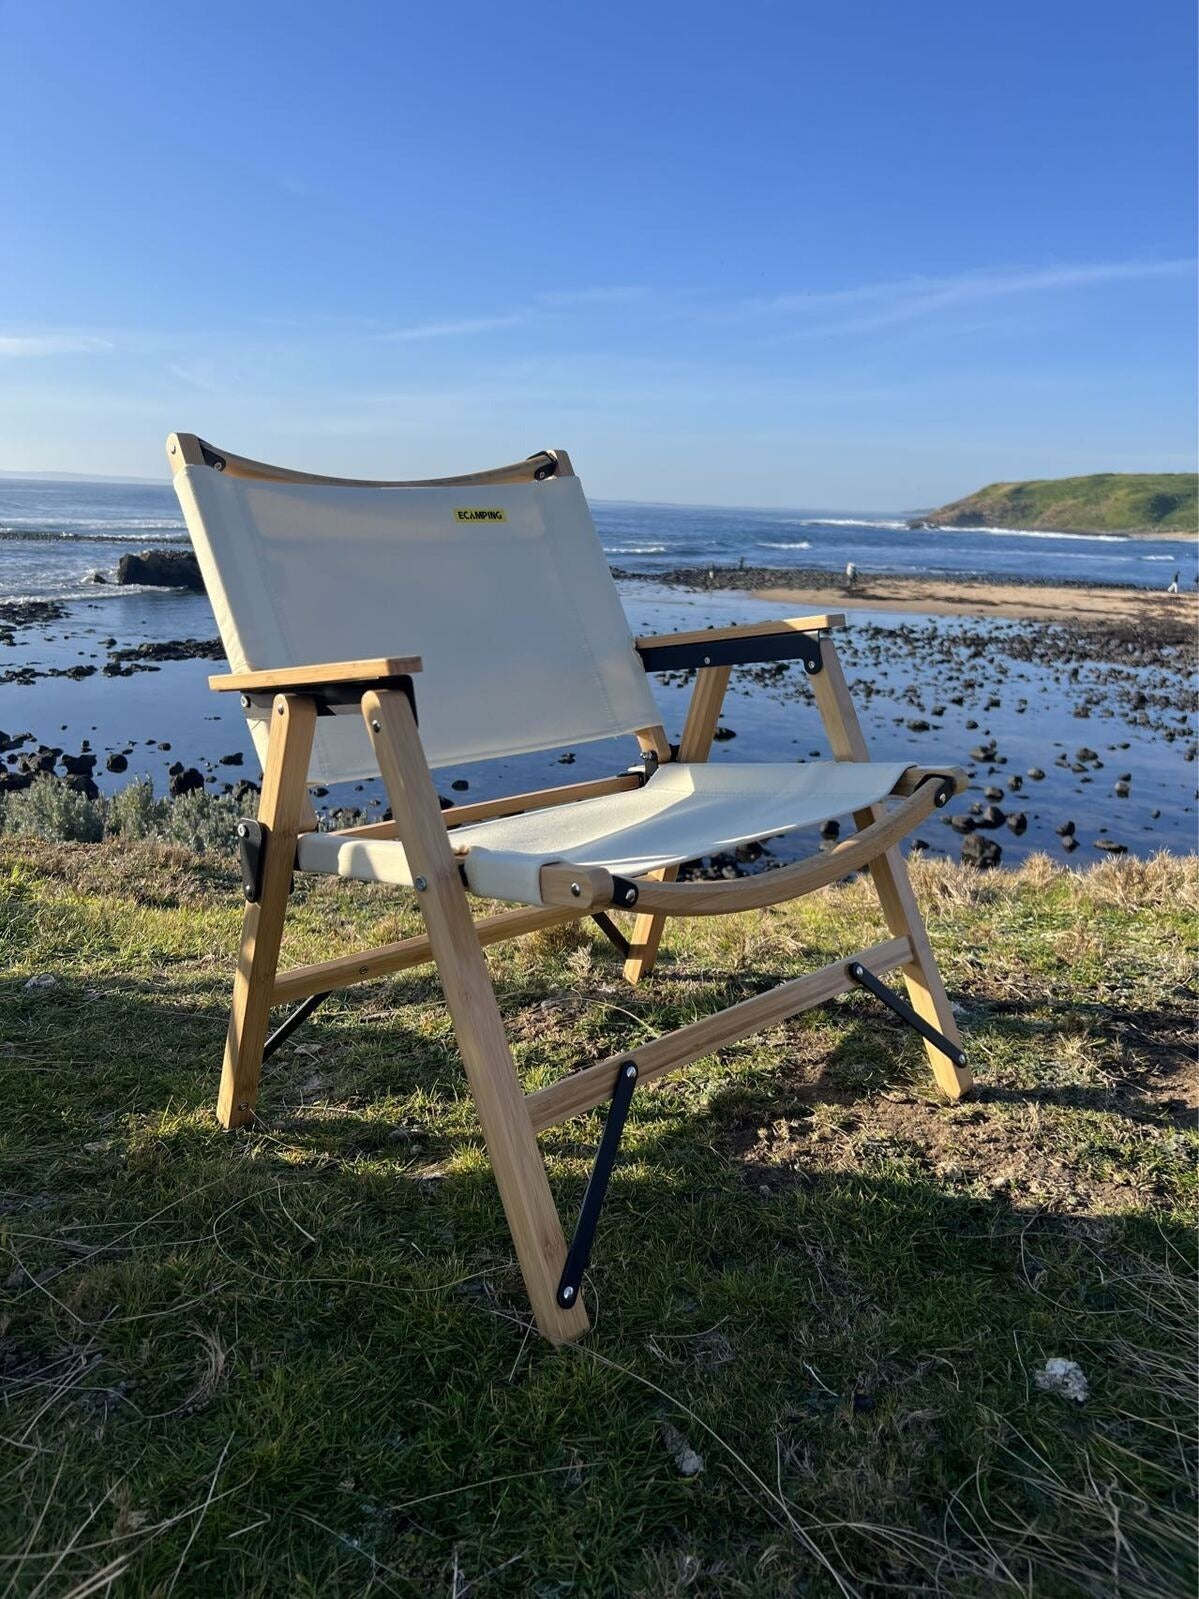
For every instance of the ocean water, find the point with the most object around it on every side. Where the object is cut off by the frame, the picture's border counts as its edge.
(55, 535)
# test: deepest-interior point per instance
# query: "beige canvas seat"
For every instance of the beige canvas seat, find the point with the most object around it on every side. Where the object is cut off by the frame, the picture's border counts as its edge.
(681, 813)
(388, 629)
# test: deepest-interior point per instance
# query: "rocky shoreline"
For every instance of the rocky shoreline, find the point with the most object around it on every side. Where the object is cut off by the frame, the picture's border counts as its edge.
(996, 689)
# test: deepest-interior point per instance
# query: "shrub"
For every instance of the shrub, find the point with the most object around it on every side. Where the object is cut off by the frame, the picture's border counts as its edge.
(49, 809)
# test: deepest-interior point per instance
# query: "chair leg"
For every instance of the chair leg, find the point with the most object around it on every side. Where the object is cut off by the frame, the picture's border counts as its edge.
(889, 873)
(511, 1143)
(281, 808)
(695, 745)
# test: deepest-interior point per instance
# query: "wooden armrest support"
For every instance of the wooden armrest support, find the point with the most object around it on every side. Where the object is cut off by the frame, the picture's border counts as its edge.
(295, 679)
(791, 638)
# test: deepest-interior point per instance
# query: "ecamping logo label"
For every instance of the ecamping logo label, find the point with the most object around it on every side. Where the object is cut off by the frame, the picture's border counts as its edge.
(478, 514)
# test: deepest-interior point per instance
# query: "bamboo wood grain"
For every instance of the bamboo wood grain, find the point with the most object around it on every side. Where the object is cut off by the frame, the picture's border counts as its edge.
(926, 990)
(346, 970)
(708, 635)
(515, 1158)
(280, 808)
(703, 713)
(594, 1084)
(278, 679)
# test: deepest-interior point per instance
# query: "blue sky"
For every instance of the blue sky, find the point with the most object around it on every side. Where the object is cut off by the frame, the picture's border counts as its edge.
(867, 255)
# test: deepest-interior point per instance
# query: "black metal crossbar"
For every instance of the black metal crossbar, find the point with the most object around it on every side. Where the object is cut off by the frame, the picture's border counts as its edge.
(297, 1018)
(867, 980)
(579, 1252)
(611, 932)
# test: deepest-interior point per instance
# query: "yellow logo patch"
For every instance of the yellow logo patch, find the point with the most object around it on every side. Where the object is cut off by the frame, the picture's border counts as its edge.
(481, 514)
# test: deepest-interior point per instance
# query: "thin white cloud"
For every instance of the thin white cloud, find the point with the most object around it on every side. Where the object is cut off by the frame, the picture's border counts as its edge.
(36, 344)
(460, 328)
(877, 305)
(550, 300)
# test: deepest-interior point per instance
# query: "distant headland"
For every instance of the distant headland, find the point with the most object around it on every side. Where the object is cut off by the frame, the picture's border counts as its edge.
(1152, 504)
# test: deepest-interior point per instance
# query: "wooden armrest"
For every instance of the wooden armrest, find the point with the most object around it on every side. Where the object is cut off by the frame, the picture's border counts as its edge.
(297, 678)
(706, 635)
(790, 639)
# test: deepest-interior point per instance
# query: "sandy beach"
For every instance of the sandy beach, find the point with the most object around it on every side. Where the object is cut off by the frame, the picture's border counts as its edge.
(1016, 601)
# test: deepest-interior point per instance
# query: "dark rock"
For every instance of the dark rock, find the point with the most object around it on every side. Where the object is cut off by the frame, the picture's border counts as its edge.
(1018, 822)
(97, 577)
(567, 760)
(460, 785)
(170, 569)
(1066, 830)
(117, 763)
(1015, 783)
(185, 781)
(1122, 790)
(1069, 843)
(234, 758)
(991, 816)
(981, 852)
(1035, 773)
(961, 824)
(992, 794)
(1085, 754)
(918, 725)
(1110, 847)
(830, 829)
(79, 765)
(723, 734)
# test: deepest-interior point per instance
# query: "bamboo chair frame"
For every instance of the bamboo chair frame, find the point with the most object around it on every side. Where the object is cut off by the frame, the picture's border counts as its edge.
(454, 941)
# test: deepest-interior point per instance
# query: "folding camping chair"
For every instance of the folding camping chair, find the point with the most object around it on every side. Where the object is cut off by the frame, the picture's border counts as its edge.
(497, 587)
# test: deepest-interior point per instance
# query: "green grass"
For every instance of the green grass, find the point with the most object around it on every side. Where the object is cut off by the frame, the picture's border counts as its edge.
(1108, 502)
(297, 1360)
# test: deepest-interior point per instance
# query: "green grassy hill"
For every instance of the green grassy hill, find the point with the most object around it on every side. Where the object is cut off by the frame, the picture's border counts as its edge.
(1108, 502)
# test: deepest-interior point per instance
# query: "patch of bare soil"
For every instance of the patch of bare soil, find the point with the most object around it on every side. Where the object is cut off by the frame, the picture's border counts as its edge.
(998, 1141)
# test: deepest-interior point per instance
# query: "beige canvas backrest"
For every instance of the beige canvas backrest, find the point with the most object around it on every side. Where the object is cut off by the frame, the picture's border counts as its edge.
(497, 580)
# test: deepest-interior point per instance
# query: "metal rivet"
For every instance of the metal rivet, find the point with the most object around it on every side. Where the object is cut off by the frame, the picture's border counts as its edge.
(376, 724)
(707, 660)
(279, 709)
(174, 447)
(575, 890)
(420, 884)
(245, 702)
(630, 1070)
(568, 1292)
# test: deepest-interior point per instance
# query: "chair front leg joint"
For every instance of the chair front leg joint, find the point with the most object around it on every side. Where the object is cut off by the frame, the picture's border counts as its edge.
(866, 979)
(579, 1253)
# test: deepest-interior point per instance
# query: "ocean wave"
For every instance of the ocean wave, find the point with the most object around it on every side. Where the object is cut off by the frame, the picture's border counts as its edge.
(1033, 533)
(850, 521)
(166, 532)
(1158, 558)
(797, 544)
(635, 549)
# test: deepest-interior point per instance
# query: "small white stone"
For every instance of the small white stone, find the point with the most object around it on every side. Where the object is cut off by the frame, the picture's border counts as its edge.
(42, 980)
(1064, 1377)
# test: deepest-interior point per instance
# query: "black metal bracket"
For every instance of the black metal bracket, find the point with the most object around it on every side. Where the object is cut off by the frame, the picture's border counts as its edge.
(643, 769)
(663, 656)
(867, 980)
(579, 1252)
(624, 892)
(547, 469)
(252, 838)
(611, 932)
(332, 698)
(297, 1018)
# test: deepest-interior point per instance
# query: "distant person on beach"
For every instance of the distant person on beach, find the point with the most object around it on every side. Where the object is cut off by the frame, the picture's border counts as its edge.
(1173, 589)
(851, 574)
